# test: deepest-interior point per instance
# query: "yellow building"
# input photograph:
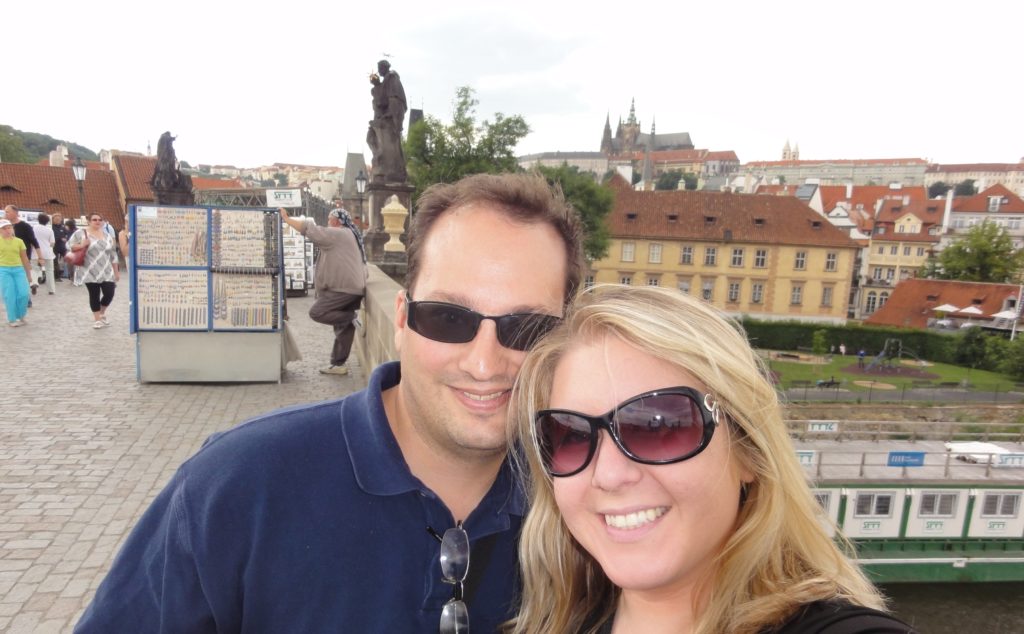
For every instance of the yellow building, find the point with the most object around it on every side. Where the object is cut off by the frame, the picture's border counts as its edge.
(770, 257)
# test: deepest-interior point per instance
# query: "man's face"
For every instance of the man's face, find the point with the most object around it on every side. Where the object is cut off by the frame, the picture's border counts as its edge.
(382, 68)
(455, 396)
(11, 214)
(57, 219)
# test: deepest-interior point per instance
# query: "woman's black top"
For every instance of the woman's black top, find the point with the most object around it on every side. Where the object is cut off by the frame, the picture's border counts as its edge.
(831, 617)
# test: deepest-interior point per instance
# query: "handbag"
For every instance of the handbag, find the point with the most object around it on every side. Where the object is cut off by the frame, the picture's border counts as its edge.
(76, 258)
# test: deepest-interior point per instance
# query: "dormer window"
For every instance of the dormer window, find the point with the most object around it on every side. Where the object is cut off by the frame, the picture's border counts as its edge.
(709, 220)
(673, 217)
(631, 215)
(816, 224)
(758, 222)
(994, 202)
(933, 298)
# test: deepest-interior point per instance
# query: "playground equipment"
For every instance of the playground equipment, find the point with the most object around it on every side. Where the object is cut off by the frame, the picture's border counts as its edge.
(891, 354)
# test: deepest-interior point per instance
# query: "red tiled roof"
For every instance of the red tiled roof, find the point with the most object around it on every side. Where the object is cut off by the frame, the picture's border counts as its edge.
(912, 301)
(134, 173)
(748, 217)
(725, 155)
(979, 201)
(929, 212)
(202, 182)
(89, 165)
(55, 190)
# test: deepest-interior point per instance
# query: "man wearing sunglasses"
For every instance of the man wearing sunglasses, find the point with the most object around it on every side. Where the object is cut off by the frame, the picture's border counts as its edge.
(393, 509)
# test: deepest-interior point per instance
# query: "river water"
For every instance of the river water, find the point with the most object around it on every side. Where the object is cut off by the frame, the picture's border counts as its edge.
(959, 608)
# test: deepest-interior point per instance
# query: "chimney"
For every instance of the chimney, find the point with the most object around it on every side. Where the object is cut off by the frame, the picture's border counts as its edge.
(947, 213)
(849, 191)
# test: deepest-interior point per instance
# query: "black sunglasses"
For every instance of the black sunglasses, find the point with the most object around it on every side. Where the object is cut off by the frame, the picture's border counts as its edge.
(657, 427)
(451, 323)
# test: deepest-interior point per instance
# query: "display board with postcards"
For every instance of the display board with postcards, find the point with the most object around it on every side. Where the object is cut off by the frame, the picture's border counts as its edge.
(205, 269)
(298, 260)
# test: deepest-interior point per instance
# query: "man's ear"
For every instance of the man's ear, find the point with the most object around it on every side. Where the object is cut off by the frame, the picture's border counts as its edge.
(400, 319)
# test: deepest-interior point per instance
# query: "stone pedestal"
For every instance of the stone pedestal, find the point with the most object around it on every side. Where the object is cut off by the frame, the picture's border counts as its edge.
(174, 197)
(375, 237)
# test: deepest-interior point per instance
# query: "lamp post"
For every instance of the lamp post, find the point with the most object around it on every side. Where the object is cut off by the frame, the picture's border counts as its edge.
(78, 169)
(361, 189)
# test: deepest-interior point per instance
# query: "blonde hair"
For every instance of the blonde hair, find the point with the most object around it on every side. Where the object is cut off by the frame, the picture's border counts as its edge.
(779, 556)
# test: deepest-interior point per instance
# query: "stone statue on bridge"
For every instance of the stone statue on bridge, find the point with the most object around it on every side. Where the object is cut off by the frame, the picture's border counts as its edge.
(385, 134)
(170, 186)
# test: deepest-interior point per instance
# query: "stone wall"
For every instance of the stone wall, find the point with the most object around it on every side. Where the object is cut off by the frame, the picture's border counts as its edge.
(375, 339)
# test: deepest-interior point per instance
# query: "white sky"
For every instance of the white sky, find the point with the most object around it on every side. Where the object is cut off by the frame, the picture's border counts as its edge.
(257, 82)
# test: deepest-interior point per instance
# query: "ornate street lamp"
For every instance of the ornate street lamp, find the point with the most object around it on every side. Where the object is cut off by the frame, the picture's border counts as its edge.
(78, 169)
(361, 181)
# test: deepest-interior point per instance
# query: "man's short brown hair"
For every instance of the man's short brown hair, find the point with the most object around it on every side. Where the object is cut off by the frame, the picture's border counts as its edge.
(522, 198)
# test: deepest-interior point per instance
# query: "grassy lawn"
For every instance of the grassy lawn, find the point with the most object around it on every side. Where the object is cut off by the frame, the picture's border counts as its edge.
(844, 369)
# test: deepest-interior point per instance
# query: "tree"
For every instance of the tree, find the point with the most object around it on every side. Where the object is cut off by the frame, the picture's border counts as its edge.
(939, 189)
(592, 200)
(984, 254)
(439, 153)
(1013, 362)
(691, 181)
(965, 188)
(12, 150)
(281, 179)
(668, 180)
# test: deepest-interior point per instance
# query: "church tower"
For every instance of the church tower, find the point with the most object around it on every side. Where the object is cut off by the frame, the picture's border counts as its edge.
(606, 138)
(787, 154)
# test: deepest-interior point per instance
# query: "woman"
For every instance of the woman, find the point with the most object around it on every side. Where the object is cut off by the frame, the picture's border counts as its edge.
(69, 272)
(60, 245)
(709, 525)
(15, 274)
(101, 272)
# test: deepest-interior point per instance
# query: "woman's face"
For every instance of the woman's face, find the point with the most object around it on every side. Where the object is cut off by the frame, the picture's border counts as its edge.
(654, 529)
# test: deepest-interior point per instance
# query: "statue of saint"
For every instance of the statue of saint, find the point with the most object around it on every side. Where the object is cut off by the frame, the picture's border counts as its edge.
(385, 134)
(170, 186)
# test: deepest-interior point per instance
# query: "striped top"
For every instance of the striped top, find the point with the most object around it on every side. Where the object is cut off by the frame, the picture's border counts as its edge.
(99, 260)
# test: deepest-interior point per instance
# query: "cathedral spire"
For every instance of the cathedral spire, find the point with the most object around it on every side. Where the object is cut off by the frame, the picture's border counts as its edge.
(606, 138)
(632, 112)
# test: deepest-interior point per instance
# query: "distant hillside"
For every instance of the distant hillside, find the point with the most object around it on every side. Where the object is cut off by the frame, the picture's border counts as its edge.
(29, 147)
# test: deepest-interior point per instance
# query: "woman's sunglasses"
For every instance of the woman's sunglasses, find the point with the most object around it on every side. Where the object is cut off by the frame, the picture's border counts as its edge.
(658, 427)
(451, 323)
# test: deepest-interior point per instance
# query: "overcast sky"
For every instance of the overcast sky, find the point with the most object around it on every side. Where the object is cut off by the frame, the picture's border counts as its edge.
(254, 82)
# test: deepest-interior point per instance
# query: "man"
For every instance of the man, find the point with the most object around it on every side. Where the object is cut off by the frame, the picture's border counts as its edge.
(322, 518)
(24, 231)
(45, 238)
(340, 279)
(60, 245)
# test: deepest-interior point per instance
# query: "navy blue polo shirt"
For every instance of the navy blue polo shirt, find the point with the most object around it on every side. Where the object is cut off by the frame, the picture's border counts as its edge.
(304, 520)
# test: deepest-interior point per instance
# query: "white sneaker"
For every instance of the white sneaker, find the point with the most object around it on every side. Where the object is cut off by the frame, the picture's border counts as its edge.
(98, 324)
(334, 369)
(104, 320)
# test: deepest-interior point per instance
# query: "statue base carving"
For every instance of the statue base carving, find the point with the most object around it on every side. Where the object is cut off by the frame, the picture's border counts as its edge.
(173, 197)
(375, 237)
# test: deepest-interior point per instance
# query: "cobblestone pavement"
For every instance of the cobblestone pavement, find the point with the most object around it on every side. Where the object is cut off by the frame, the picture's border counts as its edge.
(84, 447)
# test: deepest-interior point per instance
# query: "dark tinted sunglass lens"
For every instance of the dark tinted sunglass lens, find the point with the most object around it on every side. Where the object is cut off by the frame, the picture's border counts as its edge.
(564, 442)
(445, 322)
(662, 427)
(520, 332)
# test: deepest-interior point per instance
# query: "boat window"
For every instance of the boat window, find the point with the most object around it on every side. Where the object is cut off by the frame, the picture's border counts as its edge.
(873, 505)
(937, 504)
(1001, 505)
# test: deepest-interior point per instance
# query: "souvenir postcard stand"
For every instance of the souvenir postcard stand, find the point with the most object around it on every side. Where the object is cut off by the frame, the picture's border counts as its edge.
(206, 300)
(298, 261)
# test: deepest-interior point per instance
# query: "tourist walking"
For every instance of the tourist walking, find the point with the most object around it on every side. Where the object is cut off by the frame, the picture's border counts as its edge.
(69, 268)
(15, 274)
(100, 271)
(23, 230)
(43, 271)
(60, 245)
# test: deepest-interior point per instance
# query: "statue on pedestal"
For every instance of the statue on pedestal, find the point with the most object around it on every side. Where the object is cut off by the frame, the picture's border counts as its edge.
(170, 186)
(385, 134)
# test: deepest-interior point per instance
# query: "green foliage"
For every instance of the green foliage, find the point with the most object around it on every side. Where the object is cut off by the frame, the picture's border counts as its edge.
(935, 190)
(35, 146)
(691, 181)
(280, 179)
(984, 254)
(970, 349)
(1013, 361)
(593, 202)
(439, 153)
(965, 188)
(819, 342)
(668, 180)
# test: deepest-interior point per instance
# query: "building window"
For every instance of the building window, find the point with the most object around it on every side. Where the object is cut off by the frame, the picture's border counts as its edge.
(873, 505)
(824, 499)
(869, 306)
(894, 250)
(876, 273)
(883, 297)
(588, 281)
(831, 261)
(901, 229)
(890, 274)
(653, 281)
(686, 255)
(881, 250)
(737, 257)
(800, 262)
(879, 230)
(760, 258)
(920, 252)
(756, 292)
(734, 291)
(906, 250)
(936, 504)
(993, 203)
(1000, 505)
(628, 249)
(684, 287)
(826, 296)
(796, 295)
(710, 256)
(626, 279)
(708, 291)
(654, 253)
